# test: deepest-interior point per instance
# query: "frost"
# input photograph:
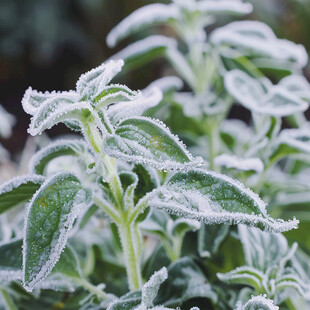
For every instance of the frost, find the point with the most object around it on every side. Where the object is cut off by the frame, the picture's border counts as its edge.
(251, 93)
(166, 84)
(92, 83)
(214, 198)
(59, 148)
(148, 141)
(144, 46)
(253, 38)
(44, 242)
(142, 17)
(137, 107)
(245, 164)
(298, 85)
(257, 302)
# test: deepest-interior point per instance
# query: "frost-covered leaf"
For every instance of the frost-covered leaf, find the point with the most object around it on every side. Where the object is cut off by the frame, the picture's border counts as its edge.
(145, 50)
(11, 260)
(252, 94)
(256, 39)
(148, 141)
(66, 274)
(166, 84)
(214, 198)
(147, 15)
(92, 83)
(257, 303)
(59, 148)
(137, 107)
(244, 164)
(292, 142)
(210, 238)
(298, 85)
(261, 249)
(142, 300)
(243, 275)
(48, 222)
(129, 182)
(19, 190)
(114, 93)
(185, 281)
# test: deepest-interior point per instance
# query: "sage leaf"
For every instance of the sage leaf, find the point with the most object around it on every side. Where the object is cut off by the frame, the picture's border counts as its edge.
(214, 198)
(252, 94)
(19, 190)
(41, 159)
(11, 260)
(148, 141)
(49, 219)
(257, 302)
(147, 15)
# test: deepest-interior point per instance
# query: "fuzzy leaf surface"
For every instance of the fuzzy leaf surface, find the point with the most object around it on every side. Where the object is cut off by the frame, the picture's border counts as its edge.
(148, 141)
(214, 198)
(48, 222)
(19, 190)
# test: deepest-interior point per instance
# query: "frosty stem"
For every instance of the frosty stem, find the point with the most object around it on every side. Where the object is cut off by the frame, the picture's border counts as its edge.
(127, 235)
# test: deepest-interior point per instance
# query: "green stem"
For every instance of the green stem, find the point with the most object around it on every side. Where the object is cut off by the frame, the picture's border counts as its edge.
(132, 262)
(9, 303)
(93, 289)
(93, 135)
(113, 215)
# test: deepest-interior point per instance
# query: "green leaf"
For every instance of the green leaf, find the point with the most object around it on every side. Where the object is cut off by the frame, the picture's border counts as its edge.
(147, 15)
(48, 222)
(214, 198)
(262, 250)
(210, 238)
(257, 303)
(42, 158)
(245, 275)
(265, 99)
(291, 143)
(19, 190)
(11, 260)
(145, 50)
(257, 40)
(147, 141)
(185, 281)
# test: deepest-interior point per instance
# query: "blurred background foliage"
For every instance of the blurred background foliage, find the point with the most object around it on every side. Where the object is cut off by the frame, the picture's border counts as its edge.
(48, 44)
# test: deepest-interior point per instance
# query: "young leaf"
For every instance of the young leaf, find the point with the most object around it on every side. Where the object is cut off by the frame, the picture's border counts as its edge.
(11, 260)
(214, 198)
(257, 302)
(292, 142)
(244, 164)
(148, 141)
(251, 93)
(92, 83)
(261, 249)
(42, 158)
(256, 39)
(19, 190)
(48, 222)
(244, 275)
(298, 85)
(185, 281)
(137, 107)
(147, 15)
(145, 50)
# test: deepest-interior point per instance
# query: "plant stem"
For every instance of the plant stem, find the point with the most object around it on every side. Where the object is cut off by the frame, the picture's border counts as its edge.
(132, 262)
(9, 303)
(93, 289)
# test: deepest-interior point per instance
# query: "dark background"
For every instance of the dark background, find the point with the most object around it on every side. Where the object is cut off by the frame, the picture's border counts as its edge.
(48, 44)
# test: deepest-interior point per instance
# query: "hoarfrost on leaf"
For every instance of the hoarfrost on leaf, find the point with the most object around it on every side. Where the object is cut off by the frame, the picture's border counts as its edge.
(48, 221)
(259, 302)
(214, 198)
